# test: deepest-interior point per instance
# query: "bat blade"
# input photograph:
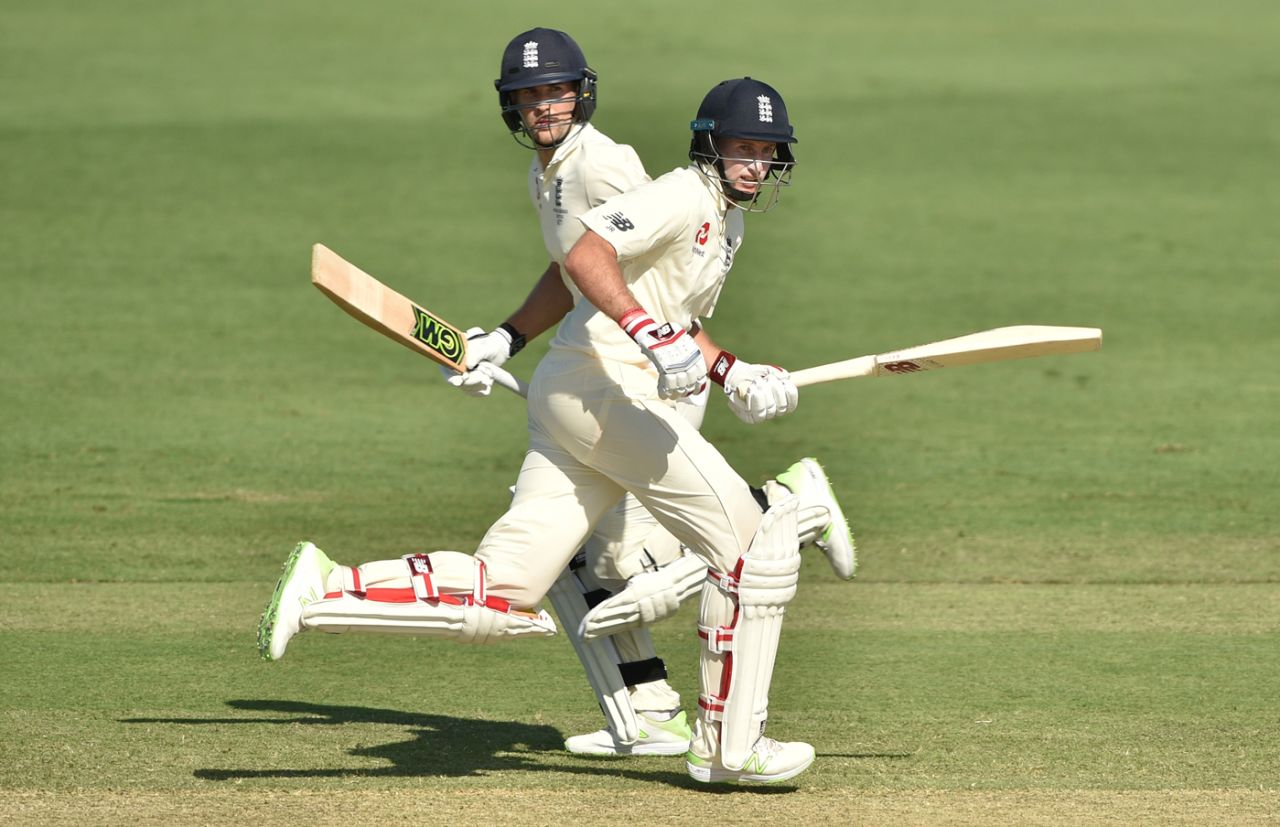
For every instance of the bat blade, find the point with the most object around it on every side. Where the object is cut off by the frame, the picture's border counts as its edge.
(996, 345)
(386, 311)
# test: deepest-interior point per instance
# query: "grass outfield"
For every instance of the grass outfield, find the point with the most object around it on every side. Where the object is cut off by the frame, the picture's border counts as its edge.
(1069, 597)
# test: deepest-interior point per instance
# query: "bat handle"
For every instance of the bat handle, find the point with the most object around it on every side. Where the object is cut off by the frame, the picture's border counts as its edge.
(511, 383)
(848, 369)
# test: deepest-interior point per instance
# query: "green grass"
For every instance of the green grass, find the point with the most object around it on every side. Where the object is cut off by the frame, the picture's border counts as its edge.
(1068, 601)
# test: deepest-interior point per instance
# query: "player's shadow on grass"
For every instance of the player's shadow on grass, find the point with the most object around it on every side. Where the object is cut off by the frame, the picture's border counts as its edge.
(442, 745)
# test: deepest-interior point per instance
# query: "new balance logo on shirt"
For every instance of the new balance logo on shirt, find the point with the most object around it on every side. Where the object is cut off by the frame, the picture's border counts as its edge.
(620, 222)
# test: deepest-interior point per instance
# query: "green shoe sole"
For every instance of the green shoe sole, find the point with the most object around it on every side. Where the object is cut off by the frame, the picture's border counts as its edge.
(272, 612)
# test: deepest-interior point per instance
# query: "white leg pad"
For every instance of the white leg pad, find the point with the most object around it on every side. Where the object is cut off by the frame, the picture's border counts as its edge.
(434, 595)
(599, 658)
(764, 583)
(648, 598)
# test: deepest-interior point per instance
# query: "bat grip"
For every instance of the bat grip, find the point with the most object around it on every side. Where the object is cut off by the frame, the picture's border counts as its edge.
(511, 383)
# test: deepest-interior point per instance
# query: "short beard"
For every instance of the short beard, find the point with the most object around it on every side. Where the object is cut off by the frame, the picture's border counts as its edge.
(730, 191)
(536, 134)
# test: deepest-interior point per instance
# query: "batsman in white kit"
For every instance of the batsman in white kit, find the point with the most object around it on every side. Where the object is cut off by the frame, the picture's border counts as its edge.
(547, 93)
(607, 419)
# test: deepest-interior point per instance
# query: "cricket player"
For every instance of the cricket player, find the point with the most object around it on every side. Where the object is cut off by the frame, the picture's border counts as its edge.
(602, 425)
(547, 94)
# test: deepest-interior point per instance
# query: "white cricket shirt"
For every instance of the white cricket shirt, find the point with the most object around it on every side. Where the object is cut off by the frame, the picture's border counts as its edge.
(585, 171)
(676, 239)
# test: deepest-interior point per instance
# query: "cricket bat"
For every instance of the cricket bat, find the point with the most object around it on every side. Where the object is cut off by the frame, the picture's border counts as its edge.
(995, 345)
(378, 306)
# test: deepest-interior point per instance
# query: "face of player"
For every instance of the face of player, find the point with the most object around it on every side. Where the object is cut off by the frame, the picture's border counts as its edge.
(746, 162)
(547, 110)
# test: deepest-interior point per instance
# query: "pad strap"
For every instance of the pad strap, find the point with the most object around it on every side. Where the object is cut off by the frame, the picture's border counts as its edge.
(351, 579)
(420, 571)
(727, 583)
(643, 671)
(595, 597)
(719, 638)
(712, 708)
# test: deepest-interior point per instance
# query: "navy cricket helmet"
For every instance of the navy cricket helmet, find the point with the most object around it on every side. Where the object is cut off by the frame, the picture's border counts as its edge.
(744, 108)
(536, 58)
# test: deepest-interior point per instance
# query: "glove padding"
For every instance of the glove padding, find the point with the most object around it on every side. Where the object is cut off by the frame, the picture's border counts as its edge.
(649, 597)
(681, 368)
(478, 380)
(760, 392)
(494, 346)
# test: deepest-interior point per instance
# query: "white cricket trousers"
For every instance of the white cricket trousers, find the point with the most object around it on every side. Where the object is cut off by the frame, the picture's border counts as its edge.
(596, 431)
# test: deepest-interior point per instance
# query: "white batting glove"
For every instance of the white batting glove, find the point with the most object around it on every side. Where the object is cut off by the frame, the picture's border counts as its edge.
(494, 346)
(681, 368)
(755, 392)
(476, 382)
(649, 597)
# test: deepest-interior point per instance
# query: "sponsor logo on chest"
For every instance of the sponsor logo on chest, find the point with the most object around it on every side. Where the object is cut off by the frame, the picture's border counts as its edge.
(700, 239)
(559, 209)
(726, 246)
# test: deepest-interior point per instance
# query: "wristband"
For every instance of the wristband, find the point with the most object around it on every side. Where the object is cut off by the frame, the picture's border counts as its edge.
(721, 366)
(634, 320)
(517, 338)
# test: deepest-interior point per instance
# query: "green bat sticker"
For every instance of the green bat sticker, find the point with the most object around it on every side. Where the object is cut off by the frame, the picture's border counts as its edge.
(438, 335)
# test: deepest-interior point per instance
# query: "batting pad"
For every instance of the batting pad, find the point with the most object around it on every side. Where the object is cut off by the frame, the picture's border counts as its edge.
(599, 658)
(425, 598)
(765, 583)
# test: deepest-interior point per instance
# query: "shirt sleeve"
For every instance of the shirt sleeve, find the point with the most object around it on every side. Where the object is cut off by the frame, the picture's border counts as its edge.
(642, 220)
(615, 169)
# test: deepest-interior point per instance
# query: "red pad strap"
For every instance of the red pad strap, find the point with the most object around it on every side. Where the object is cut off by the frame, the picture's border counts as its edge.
(727, 583)
(719, 638)
(351, 580)
(420, 571)
(390, 595)
(713, 707)
(376, 595)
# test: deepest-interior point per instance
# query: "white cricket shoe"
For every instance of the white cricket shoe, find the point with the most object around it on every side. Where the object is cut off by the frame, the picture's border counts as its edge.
(809, 482)
(301, 582)
(769, 761)
(656, 738)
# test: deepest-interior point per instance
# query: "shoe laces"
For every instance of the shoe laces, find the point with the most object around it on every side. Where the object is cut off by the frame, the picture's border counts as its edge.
(766, 746)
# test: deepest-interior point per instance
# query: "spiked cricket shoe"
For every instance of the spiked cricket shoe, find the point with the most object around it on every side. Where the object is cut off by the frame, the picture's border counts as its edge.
(770, 761)
(301, 582)
(809, 482)
(656, 738)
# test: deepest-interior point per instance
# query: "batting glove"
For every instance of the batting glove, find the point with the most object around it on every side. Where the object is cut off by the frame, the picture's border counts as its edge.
(478, 379)
(681, 369)
(476, 382)
(496, 346)
(755, 392)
